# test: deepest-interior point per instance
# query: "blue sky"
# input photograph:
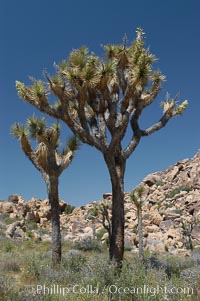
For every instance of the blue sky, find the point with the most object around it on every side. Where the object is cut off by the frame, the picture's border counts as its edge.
(35, 34)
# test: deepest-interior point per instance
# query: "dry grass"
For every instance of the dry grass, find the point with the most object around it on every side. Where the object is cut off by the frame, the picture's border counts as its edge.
(24, 265)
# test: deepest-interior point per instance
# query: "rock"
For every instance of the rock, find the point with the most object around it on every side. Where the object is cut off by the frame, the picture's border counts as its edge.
(30, 216)
(14, 198)
(21, 209)
(152, 228)
(62, 205)
(45, 212)
(35, 235)
(7, 207)
(174, 234)
(181, 252)
(151, 179)
(155, 217)
(36, 216)
(155, 243)
(104, 237)
(166, 224)
(132, 215)
(46, 237)
(173, 173)
(107, 195)
(69, 237)
(87, 230)
(196, 234)
(170, 215)
(11, 229)
(195, 173)
(164, 219)
(44, 222)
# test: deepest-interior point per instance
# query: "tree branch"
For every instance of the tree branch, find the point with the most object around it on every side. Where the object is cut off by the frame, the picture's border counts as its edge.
(157, 126)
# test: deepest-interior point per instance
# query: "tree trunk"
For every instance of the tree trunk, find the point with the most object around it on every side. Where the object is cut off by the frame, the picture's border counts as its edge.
(140, 235)
(116, 167)
(52, 188)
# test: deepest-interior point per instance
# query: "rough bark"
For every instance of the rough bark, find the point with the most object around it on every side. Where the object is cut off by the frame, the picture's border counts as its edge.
(52, 189)
(116, 167)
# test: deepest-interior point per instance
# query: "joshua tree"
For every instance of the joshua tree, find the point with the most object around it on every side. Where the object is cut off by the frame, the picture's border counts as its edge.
(50, 163)
(136, 197)
(107, 224)
(99, 100)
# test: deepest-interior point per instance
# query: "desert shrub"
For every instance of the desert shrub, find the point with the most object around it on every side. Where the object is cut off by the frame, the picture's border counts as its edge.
(6, 287)
(73, 261)
(93, 212)
(88, 244)
(159, 183)
(100, 234)
(177, 190)
(93, 268)
(9, 264)
(69, 209)
(178, 211)
(5, 218)
(33, 265)
(31, 225)
(98, 271)
(8, 246)
(128, 245)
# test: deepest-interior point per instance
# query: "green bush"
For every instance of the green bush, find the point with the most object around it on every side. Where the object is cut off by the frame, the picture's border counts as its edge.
(101, 233)
(93, 212)
(5, 218)
(177, 190)
(69, 209)
(88, 245)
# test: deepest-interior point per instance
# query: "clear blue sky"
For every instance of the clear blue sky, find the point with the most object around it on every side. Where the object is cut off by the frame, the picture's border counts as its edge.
(35, 34)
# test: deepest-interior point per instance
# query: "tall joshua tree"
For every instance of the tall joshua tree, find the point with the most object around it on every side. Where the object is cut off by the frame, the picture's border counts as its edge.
(50, 163)
(99, 100)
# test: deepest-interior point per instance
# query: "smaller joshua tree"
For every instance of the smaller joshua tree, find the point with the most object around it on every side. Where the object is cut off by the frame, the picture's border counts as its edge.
(136, 197)
(50, 163)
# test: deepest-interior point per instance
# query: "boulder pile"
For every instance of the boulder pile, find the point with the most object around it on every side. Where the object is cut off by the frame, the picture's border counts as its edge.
(171, 212)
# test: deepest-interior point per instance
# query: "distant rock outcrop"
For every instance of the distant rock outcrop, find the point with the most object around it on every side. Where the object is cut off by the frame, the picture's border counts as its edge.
(171, 212)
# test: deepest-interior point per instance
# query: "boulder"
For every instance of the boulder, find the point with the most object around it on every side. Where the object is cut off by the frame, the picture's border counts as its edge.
(152, 179)
(30, 216)
(14, 198)
(15, 229)
(166, 224)
(7, 207)
(155, 217)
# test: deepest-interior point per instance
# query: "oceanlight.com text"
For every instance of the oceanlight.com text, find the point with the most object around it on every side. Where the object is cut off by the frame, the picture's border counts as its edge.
(111, 289)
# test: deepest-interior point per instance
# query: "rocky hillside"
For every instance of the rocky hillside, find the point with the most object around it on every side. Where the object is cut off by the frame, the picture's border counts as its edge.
(171, 213)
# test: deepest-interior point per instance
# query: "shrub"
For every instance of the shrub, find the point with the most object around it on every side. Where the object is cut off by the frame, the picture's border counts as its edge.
(101, 233)
(5, 218)
(92, 212)
(177, 190)
(73, 261)
(9, 264)
(88, 245)
(8, 246)
(69, 209)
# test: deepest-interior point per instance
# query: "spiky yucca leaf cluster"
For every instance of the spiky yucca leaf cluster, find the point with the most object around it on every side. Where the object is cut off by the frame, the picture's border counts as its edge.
(136, 196)
(170, 107)
(18, 130)
(46, 152)
(97, 96)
